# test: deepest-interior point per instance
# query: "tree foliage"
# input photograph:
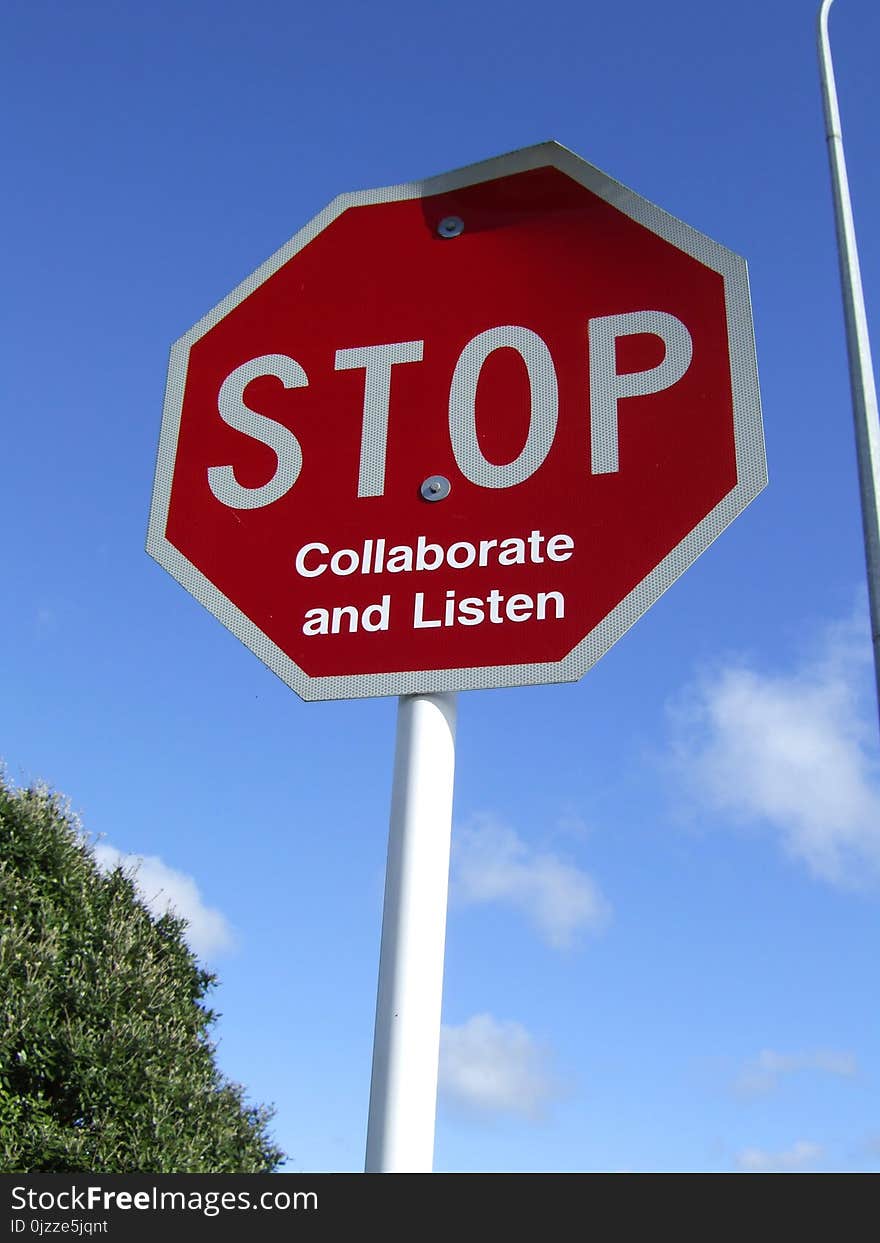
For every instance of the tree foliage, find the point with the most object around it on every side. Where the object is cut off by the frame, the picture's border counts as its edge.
(106, 1064)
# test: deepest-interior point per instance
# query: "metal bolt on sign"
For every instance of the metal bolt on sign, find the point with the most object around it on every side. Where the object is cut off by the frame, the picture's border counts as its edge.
(435, 488)
(450, 226)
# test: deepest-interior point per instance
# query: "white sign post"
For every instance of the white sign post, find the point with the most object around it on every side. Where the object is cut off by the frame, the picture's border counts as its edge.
(403, 1092)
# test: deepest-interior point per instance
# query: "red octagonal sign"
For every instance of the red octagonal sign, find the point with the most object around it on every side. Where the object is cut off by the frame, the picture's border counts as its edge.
(459, 433)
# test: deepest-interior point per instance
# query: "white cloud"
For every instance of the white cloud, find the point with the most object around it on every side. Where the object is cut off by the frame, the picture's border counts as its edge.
(795, 750)
(491, 863)
(162, 888)
(800, 1156)
(762, 1073)
(493, 1067)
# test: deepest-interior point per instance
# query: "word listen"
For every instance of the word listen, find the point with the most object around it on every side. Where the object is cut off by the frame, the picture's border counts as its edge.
(469, 611)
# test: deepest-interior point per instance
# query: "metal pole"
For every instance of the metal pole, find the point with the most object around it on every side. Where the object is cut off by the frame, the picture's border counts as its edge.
(861, 373)
(406, 1045)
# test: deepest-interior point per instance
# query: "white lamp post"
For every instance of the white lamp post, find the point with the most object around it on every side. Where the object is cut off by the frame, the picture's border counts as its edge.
(861, 374)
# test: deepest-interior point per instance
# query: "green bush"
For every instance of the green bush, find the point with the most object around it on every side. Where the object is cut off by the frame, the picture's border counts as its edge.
(106, 1065)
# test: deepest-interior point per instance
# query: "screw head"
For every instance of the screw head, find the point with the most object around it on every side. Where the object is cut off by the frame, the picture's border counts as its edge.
(435, 488)
(450, 226)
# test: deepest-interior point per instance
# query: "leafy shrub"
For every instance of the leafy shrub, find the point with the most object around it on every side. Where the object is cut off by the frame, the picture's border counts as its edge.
(106, 1065)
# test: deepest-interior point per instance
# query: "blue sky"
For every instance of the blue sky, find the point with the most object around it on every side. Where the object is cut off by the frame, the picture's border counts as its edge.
(661, 948)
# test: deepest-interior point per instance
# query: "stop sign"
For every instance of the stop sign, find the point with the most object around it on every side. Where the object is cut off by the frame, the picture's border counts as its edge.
(459, 433)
